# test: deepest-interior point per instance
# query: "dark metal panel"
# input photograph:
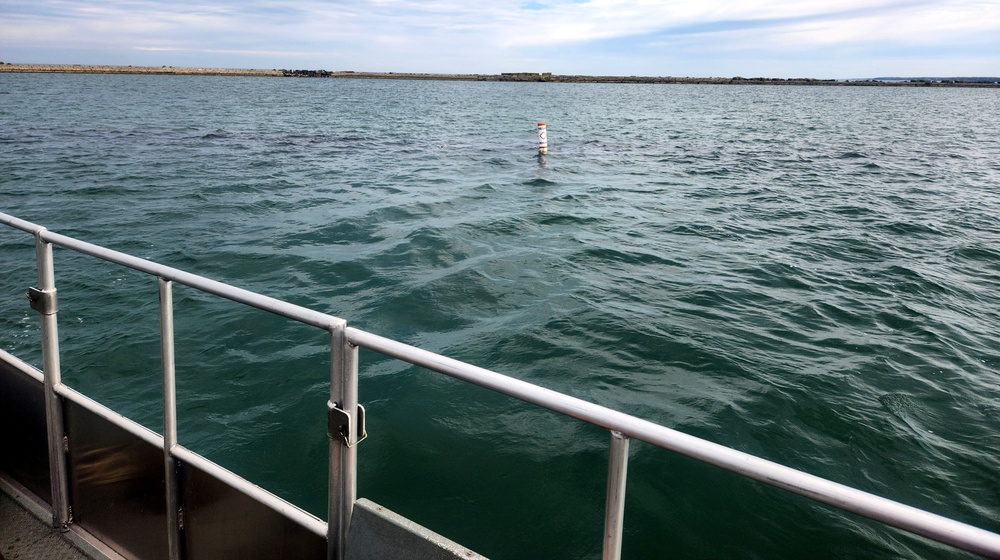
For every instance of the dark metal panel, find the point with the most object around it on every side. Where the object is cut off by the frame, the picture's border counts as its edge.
(116, 485)
(222, 523)
(24, 448)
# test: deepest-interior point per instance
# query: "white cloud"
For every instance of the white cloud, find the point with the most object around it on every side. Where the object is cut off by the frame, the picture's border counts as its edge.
(463, 36)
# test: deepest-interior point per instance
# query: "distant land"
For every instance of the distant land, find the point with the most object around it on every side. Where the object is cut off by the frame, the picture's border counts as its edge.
(976, 82)
(927, 79)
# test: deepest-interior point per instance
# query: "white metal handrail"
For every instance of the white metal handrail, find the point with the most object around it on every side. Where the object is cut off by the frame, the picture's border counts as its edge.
(345, 342)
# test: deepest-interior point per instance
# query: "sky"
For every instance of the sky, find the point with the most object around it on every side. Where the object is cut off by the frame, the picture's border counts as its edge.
(826, 39)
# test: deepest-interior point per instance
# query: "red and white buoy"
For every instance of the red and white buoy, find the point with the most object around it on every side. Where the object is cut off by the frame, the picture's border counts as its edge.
(543, 139)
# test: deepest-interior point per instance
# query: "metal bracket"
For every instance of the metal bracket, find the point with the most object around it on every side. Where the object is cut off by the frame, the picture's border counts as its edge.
(43, 301)
(339, 424)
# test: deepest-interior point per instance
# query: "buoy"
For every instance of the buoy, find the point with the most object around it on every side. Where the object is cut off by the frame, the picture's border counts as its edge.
(543, 139)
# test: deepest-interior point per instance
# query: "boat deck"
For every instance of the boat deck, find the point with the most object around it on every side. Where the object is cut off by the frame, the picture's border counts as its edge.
(24, 536)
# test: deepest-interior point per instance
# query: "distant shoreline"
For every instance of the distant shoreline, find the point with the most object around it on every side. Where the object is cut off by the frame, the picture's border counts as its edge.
(504, 77)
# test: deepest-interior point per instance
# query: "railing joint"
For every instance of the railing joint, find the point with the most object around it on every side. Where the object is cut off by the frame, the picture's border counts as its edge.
(340, 424)
(43, 301)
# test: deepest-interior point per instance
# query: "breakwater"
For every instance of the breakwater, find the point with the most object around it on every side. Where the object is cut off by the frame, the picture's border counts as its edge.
(103, 69)
(502, 77)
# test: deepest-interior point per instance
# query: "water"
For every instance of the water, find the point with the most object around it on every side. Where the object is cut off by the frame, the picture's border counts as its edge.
(807, 274)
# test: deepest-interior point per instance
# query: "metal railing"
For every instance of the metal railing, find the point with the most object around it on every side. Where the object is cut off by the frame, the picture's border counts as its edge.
(346, 418)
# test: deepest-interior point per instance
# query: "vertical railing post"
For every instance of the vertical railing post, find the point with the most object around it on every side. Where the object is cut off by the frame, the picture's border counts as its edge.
(169, 418)
(614, 513)
(343, 406)
(43, 299)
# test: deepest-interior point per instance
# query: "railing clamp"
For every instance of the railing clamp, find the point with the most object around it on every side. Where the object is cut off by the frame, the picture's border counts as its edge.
(43, 301)
(339, 424)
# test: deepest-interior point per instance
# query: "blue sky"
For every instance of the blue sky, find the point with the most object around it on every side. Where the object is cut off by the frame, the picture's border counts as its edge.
(750, 38)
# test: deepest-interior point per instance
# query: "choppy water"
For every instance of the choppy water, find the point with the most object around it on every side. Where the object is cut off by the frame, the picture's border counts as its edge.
(807, 274)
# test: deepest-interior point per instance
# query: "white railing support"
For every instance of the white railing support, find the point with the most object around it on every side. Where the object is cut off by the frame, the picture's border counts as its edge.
(44, 301)
(342, 428)
(169, 418)
(614, 509)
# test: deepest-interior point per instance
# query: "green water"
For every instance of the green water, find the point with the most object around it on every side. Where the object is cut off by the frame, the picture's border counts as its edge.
(806, 274)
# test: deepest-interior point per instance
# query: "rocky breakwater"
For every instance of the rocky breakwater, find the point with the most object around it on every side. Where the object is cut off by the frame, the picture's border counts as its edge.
(162, 70)
(386, 75)
(572, 78)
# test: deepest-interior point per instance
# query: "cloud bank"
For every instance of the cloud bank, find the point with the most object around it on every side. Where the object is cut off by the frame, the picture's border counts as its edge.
(775, 38)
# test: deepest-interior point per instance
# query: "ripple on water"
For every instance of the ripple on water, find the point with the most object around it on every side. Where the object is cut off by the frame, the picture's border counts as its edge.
(810, 274)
